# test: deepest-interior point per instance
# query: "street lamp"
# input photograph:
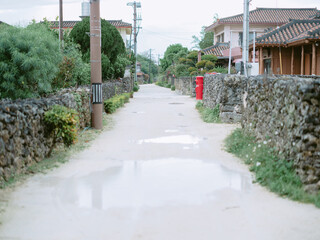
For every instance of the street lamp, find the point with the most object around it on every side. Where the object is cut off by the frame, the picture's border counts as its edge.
(135, 5)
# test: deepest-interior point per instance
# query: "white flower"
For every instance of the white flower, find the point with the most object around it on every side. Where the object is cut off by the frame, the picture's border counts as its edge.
(276, 133)
(250, 124)
(258, 164)
(247, 156)
(259, 146)
(293, 143)
(264, 142)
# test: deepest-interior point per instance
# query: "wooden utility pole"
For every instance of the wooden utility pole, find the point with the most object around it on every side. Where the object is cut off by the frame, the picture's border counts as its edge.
(61, 23)
(95, 58)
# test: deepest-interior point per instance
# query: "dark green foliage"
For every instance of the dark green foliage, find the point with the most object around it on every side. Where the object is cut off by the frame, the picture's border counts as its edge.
(73, 71)
(172, 55)
(272, 170)
(29, 60)
(63, 124)
(211, 58)
(113, 52)
(136, 87)
(112, 104)
(209, 115)
(173, 88)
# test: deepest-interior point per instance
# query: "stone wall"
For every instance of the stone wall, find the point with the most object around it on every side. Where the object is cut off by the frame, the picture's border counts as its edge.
(113, 87)
(185, 86)
(227, 91)
(285, 111)
(23, 136)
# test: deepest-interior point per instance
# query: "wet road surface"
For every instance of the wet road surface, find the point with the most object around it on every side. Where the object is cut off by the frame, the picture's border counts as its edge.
(159, 174)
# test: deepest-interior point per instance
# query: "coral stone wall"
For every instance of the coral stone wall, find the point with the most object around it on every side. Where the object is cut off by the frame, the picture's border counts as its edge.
(23, 136)
(113, 87)
(227, 91)
(285, 111)
(185, 85)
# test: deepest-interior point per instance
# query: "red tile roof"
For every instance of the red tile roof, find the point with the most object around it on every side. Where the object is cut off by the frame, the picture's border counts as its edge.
(71, 24)
(272, 16)
(291, 32)
(216, 49)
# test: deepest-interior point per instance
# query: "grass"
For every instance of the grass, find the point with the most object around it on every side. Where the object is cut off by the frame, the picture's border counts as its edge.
(60, 155)
(209, 115)
(271, 169)
(163, 84)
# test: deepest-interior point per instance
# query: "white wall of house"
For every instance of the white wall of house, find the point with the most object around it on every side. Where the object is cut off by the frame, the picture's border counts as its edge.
(236, 29)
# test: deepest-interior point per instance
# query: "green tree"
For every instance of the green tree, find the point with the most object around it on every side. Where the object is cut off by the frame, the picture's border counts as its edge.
(113, 52)
(171, 55)
(29, 60)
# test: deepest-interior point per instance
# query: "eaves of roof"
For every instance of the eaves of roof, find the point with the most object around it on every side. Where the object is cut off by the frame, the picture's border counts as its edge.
(272, 16)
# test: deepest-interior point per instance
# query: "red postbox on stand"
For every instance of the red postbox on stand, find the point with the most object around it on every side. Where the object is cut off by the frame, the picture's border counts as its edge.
(199, 88)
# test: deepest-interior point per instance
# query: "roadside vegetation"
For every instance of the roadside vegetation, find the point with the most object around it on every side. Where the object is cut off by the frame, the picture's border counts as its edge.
(164, 84)
(208, 115)
(271, 169)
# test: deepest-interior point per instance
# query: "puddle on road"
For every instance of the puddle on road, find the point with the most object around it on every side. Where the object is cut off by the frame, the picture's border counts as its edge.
(152, 183)
(178, 139)
(171, 131)
(176, 103)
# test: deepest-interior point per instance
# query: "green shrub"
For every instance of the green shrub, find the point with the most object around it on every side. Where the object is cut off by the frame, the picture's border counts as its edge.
(112, 104)
(173, 88)
(63, 124)
(29, 60)
(136, 87)
(272, 170)
(160, 84)
(209, 115)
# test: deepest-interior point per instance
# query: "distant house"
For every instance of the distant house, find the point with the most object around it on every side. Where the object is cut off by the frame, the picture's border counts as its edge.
(230, 29)
(293, 48)
(124, 28)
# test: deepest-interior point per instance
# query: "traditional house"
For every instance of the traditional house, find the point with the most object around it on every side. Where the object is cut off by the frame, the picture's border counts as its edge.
(124, 28)
(293, 48)
(229, 30)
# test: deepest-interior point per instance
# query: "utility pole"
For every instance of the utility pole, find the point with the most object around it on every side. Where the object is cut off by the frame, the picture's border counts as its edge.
(135, 38)
(95, 59)
(150, 66)
(135, 32)
(61, 23)
(245, 42)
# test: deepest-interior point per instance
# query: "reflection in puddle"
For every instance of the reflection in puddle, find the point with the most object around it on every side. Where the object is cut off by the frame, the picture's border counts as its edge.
(171, 131)
(178, 139)
(153, 183)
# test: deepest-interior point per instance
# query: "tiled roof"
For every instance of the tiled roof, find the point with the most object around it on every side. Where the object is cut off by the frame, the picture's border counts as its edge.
(290, 32)
(71, 24)
(272, 16)
(119, 24)
(216, 49)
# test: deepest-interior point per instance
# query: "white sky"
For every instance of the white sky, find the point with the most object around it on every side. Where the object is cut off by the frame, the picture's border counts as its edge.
(164, 22)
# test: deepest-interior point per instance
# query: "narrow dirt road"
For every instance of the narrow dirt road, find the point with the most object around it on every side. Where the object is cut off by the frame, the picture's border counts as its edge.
(159, 174)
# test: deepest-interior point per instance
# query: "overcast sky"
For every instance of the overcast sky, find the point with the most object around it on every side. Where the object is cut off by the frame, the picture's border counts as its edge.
(164, 22)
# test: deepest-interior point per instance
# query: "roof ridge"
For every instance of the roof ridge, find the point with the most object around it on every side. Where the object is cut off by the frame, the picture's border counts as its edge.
(287, 8)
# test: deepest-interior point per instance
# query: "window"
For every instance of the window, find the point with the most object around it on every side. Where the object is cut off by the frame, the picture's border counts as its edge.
(241, 38)
(220, 38)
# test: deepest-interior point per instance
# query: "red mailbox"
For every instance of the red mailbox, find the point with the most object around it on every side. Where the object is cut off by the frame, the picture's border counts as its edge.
(199, 88)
